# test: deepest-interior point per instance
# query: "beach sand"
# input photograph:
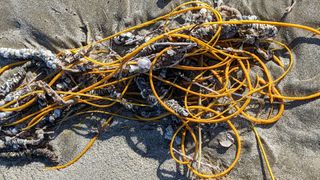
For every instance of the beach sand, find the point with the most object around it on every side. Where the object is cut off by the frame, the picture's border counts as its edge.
(134, 150)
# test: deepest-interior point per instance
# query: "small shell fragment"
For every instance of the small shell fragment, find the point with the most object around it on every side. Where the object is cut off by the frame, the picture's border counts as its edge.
(226, 140)
(144, 63)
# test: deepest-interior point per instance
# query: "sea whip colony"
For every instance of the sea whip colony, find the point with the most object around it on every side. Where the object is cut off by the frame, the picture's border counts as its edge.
(198, 65)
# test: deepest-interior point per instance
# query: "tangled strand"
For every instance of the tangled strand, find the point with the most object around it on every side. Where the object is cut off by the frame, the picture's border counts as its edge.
(202, 71)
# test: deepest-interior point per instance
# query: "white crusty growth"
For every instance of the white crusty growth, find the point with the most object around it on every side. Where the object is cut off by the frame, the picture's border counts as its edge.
(46, 56)
(10, 79)
(174, 105)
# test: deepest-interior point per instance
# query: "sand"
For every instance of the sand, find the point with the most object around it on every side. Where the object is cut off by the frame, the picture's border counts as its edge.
(133, 150)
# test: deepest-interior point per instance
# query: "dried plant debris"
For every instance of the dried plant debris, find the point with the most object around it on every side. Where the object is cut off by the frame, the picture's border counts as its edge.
(194, 67)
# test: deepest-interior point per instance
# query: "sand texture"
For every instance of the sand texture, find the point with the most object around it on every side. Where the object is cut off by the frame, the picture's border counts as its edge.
(134, 150)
